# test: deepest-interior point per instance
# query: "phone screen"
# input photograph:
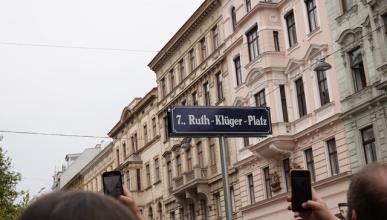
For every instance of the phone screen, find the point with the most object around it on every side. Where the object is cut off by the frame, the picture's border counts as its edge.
(112, 183)
(301, 188)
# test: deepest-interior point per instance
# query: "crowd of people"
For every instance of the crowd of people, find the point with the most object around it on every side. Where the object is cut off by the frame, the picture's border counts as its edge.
(367, 200)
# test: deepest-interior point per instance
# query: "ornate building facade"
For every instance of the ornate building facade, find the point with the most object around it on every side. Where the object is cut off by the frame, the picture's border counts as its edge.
(271, 50)
(359, 34)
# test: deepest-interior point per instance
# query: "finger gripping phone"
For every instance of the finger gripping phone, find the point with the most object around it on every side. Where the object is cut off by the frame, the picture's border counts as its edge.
(112, 183)
(301, 189)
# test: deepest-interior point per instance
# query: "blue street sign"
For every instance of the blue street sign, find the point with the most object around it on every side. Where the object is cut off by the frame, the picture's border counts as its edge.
(219, 121)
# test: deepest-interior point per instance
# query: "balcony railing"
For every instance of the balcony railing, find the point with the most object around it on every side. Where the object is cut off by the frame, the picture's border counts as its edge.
(197, 173)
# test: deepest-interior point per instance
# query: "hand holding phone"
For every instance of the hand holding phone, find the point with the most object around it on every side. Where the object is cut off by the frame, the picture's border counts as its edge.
(112, 183)
(301, 189)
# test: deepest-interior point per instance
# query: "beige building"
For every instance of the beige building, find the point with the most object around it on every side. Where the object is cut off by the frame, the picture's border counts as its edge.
(92, 172)
(191, 70)
(137, 154)
(271, 49)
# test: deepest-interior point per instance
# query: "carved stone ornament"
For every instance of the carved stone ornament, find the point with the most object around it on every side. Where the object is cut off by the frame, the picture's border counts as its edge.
(275, 182)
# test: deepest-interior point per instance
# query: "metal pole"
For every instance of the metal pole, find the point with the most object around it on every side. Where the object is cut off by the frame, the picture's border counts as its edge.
(226, 185)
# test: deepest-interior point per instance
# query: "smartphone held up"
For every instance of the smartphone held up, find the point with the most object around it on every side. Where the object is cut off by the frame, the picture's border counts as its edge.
(301, 189)
(112, 183)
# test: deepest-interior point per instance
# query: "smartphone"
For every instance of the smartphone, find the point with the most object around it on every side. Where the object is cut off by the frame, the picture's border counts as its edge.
(112, 183)
(301, 189)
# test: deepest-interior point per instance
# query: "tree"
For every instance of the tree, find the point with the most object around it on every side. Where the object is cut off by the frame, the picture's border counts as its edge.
(9, 208)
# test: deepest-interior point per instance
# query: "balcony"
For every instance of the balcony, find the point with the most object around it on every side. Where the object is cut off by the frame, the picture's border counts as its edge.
(194, 179)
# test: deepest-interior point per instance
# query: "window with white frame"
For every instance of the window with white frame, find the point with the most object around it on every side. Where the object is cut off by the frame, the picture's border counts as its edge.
(238, 70)
(368, 142)
(253, 42)
(301, 97)
(291, 28)
(332, 155)
(310, 163)
(312, 14)
(267, 181)
(357, 68)
(323, 87)
(260, 99)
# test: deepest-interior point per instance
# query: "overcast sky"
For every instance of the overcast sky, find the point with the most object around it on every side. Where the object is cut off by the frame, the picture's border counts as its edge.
(70, 90)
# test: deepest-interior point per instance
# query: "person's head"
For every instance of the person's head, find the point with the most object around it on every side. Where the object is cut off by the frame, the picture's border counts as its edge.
(367, 194)
(76, 205)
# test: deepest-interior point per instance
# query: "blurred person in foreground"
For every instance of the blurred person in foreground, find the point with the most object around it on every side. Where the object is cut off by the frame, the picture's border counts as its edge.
(79, 205)
(367, 197)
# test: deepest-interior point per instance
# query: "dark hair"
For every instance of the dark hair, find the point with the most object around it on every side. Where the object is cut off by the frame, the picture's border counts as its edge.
(76, 205)
(367, 193)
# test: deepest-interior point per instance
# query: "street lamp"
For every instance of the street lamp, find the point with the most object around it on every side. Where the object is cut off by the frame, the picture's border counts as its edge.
(322, 65)
(186, 143)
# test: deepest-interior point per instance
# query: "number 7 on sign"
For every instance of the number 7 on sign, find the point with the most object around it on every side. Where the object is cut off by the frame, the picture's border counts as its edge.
(178, 119)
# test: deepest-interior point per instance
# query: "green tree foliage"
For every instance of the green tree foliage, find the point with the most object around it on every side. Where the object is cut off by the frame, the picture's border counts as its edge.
(9, 208)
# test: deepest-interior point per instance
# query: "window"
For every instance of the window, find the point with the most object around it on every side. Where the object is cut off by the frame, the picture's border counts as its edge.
(250, 182)
(128, 179)
(169, 170)
(172, 214)
(233, 18)
(182, 69)
(200, 154)
(163, 87)
(368, 140)
(172, 79)
(138, 177)
(291, 28)
(266, 175)
(357, 68)
(301, 97)
(260, 100)
(252, 42)
(323, 87)
(219, 86)
(145, 134)
(312, 14)
(232, 195)
(154, 129)
(150, 213)
(276, 41)
(203, 209)
(189, 159)
(192, 59)
(148, 176)
(238, 70)
(184, 102)
(213, 155)
(385, 23)
(206, 89)
(217, 205)
(135, 141)
(332, 153)
(118, 156)
(178, 165)
(310, 163)
(166, 132)
(157, 170)
(347, 4)
(203, 48)
(248, 5)
(194, 99)
(283, 103)
(286, 168)
(215, 37)
(124, 150)
(246, 141)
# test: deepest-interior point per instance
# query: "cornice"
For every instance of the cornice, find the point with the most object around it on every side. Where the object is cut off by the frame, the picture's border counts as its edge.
(183, 33)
